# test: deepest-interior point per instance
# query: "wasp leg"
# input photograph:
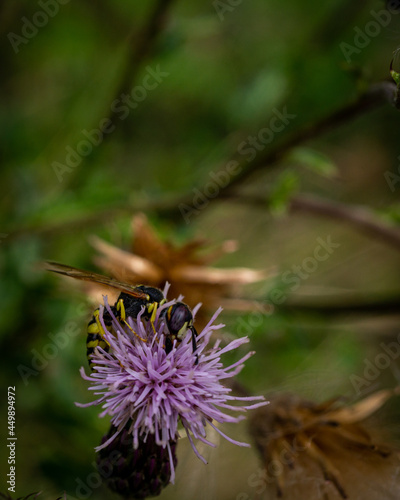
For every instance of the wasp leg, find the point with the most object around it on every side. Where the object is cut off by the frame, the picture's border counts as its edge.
(122, 317)
(194, 343)
(168, 344)
(152, 308)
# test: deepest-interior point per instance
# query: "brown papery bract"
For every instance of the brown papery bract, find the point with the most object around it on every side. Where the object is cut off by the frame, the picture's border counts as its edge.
(152, 261)
(324, 451)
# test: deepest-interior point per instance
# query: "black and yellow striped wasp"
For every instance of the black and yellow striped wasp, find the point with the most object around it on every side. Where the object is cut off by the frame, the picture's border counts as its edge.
(178, 317)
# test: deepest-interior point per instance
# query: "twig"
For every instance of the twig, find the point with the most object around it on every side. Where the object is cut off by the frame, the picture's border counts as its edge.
(332, 27)
(140, 48)
(336, 306)
(378, 94)
(166, 207)
(360, 218)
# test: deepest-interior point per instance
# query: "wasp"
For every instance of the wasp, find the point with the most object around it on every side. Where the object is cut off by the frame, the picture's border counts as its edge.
(132, 299)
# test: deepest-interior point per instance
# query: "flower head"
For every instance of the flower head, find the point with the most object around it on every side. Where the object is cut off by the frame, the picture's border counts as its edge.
(147, 391)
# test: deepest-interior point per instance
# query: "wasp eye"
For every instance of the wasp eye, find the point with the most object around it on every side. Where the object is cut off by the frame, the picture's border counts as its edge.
(179, 318)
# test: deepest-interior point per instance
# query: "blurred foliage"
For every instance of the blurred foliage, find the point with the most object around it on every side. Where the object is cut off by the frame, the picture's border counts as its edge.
(224, 79)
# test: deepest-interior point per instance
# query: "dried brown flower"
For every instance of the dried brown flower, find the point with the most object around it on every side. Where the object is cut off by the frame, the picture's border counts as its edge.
(153, 261)
(323, 451)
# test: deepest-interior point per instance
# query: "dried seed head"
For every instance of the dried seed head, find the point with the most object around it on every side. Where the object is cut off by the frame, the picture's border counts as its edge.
(153, 261)
(311, 450)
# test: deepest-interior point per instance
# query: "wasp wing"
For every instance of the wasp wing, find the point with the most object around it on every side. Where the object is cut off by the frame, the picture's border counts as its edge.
(80, 274)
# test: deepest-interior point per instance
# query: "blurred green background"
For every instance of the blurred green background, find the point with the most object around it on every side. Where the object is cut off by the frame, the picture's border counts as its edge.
(219, 73)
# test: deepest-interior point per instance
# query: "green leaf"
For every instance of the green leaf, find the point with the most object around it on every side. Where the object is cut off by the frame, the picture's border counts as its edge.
(282, 190)
(314, 161)
(391, 214)
(394, 74)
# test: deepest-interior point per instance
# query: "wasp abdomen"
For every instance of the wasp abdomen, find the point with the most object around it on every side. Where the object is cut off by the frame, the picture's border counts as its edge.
(95, 337)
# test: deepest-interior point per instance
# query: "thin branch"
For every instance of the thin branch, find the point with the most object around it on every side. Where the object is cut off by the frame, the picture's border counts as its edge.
(378, 94)
(332, 27)
(165, 207)
(373, 306)
(141, 48)
(359, 217)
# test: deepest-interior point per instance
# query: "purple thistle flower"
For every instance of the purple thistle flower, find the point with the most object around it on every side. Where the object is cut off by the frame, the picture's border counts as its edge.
(142, 386)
